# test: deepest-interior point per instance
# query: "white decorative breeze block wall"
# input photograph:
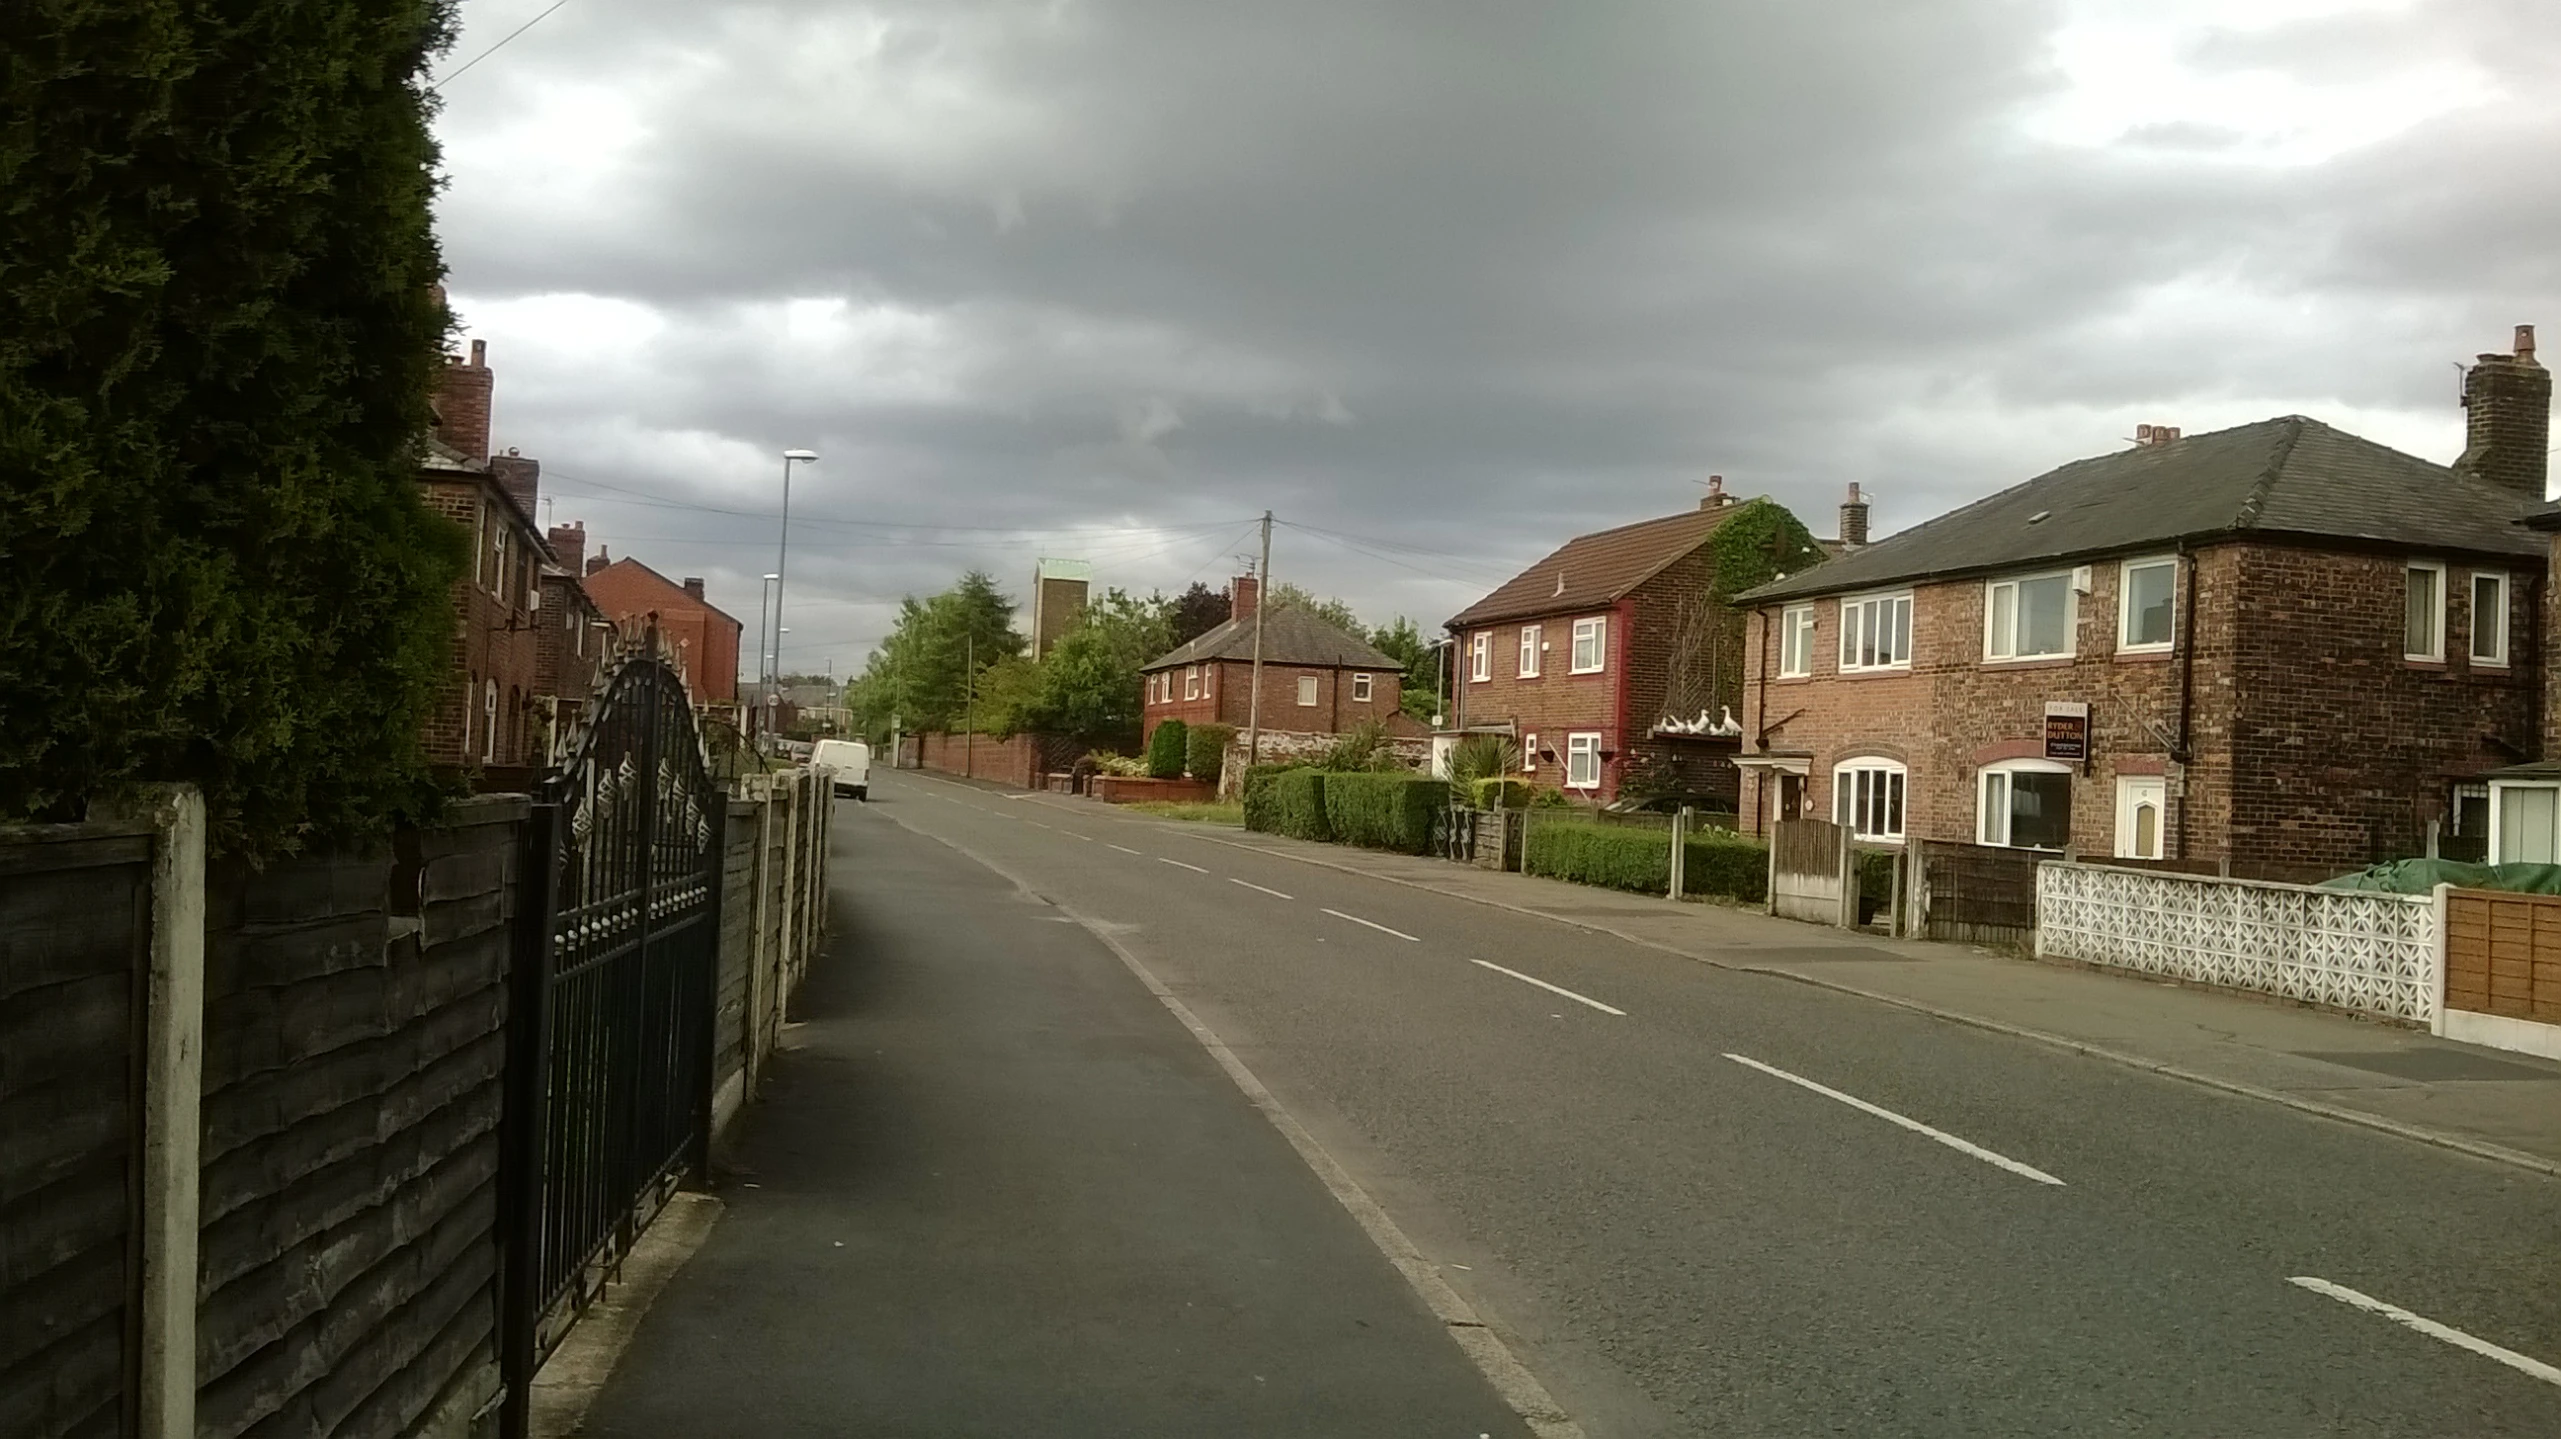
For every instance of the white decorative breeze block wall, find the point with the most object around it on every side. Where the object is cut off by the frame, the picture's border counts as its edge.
(2371, 953)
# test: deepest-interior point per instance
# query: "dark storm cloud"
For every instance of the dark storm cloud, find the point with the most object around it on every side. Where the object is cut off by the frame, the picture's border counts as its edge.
(1460, 278)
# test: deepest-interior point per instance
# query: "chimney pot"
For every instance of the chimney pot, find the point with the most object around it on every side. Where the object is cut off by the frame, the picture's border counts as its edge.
(2507, 402)
(479, 353)
(2525, 343)
(1715, 497)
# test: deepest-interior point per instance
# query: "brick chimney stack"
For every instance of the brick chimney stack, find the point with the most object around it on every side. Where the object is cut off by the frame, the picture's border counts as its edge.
(1715, 498)
(2507, 402)
(1245, 595)
(569, 541)
(462, 402)
(693, 586)
(1854, 518)
(601, 558)
(521, 478)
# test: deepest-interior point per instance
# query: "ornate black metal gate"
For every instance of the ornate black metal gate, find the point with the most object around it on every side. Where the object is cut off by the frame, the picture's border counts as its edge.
(611, 1036)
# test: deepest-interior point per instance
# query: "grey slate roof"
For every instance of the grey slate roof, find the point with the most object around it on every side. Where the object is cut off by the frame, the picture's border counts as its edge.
(1291, 637)
(2283, 477)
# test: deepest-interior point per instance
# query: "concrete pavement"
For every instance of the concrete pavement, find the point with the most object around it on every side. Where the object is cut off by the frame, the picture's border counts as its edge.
(1706, 1200)
(996, 1188)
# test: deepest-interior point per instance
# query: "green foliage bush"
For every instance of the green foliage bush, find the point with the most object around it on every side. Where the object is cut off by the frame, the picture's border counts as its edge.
(1641, 860)
(1500, 793)
(1385, 811)
(1206, 752)
(218, 336)
(1298, 803)
(1483, 756)
(1365, 747)
(1262, 797)
(1165, 750)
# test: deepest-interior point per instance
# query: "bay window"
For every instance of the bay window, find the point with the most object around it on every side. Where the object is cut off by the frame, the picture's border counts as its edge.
(1867, 798)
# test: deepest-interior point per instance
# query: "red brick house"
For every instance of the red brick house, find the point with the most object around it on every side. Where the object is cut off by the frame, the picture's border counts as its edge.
(703, 638)
(1317, 679)
(572, 640)
(1609, 664)
(2278, 645)
(487, 720)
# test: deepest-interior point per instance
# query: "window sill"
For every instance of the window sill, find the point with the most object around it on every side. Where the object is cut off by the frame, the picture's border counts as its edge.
(2036, 662)
(1790, 679)
(1569, 674)
(1881, 672)
(2147, 656)
(2427, 666)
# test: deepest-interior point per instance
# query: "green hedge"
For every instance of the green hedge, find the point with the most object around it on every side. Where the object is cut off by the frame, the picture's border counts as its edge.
(1641, 860)
(1299, 805)
(1205, 751)
(1165, 750)
(1499, 793)
(1385, 810)
(1262, 797)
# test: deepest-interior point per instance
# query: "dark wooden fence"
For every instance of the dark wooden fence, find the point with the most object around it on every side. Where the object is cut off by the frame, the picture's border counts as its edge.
(75, 926)
(1971, 893)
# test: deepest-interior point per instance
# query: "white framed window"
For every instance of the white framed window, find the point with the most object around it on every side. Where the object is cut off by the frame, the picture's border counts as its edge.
(1480, 656)
(2423, 617)
(1307, 690)
(2146, 604)
(1796, 641)
(1360, 689)
(1588, 637)
(1529, 754)
(2489, 618)
(1191, 682)
(2525, 823)
(1209, 682)
(1583, 761)
(1530, 646)
(488, 721)
(2141, 801)
(2024, 804)
(2028, 618)
(1876, 632)
(1867, 797)
(498, 538)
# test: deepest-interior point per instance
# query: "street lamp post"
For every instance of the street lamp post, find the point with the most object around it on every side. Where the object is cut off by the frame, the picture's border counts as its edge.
(782, 553)
(764, 619)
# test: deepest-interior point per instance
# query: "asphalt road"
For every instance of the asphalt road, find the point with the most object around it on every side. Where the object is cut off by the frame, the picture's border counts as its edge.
(1702, 1202)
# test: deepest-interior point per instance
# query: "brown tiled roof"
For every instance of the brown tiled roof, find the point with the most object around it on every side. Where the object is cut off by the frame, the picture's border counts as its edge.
(1296, 637)
(1595, 569)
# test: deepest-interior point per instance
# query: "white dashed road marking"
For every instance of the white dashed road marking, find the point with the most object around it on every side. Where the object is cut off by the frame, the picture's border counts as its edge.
(1551, 988)
(2002, 1161)
(1125, 849)
(1383, 929)
(2429, 1327)
(1178, 864)
(1249, 884)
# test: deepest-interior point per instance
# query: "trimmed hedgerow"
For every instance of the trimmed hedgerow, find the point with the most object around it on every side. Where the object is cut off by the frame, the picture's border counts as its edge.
(1500, 793)
(1205, 752)
(1165, 750)
(1641, 859)
(1262, 797)
(1385, 810)
(1299, 805)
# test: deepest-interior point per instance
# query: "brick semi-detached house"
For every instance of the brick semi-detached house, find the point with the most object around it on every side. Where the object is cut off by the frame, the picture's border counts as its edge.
(703, 638)
(488, 717)
(1608, 661)
(2278, 646)
(1317, 679)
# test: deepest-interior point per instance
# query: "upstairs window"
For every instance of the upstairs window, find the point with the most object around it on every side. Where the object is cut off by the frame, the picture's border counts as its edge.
(1876, 632)
(1360, 689)
(1530, 645)
(2029, 619)
(1867, 798)
(1588, 635)
(1480, 655)
(2489, 618)
(1307, 690)
(1796, 641)
(2147, 603)
(2423, 616)
(1191, 682)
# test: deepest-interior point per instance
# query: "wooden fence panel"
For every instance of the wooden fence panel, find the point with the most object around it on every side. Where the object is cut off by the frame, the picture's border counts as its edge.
(1974, 894)
(1809, 872)
(2503, 954)
(75, 933)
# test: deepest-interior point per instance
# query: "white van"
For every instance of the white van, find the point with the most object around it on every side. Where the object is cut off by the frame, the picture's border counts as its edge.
(851, 760)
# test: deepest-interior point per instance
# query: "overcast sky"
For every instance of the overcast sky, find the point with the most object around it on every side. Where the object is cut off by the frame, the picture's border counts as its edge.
(1446, 283)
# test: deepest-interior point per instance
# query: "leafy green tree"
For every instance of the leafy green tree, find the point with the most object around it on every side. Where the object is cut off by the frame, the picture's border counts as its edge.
(922, 673)
(1197, 611)
(1333, 611)
(1402, 640)
(218, 334)
(1088, 686)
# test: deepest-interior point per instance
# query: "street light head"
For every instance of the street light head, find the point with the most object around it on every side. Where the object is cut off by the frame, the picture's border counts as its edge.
(769, 579)
(806, 457)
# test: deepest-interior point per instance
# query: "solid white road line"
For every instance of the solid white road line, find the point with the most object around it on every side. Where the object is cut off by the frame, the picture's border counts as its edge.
(1249, 884)
(2429, 1327)
(1889, 1116)
(1178, 864)
(1383, 929)
(1125, 849)
(1551, 988)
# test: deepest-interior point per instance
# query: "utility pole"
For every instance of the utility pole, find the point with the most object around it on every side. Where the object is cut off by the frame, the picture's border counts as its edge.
(969, 707)
(1262, 599)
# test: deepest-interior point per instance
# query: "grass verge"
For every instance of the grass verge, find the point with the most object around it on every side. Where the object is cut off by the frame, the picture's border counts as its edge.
(1227, 812)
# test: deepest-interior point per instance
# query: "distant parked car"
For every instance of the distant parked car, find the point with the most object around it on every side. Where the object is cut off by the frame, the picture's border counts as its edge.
(851, 761)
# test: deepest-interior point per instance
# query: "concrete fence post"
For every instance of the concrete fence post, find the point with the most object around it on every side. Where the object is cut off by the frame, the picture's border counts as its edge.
(172, 1109)
(2441, 901)
(760, 790)
(1849, 870)
(1680, 848)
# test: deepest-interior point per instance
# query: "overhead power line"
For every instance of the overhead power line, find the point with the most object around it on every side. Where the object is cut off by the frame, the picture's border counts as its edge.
(456, 73)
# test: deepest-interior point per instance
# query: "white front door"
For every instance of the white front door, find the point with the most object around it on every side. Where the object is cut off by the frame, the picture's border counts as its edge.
(2141, 800)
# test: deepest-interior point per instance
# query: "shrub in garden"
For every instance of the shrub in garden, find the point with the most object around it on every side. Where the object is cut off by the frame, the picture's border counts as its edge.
(1298, 803)
(1363, 747)
(1612, 858)
(1262, 797)
(1205, 752)
(1385, 811)
(1165, 750)
(1500, 793)
(1727, 865)
(1483, 757)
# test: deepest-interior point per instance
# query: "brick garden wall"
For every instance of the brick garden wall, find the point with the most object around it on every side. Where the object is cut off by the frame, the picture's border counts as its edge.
(1019, 761)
